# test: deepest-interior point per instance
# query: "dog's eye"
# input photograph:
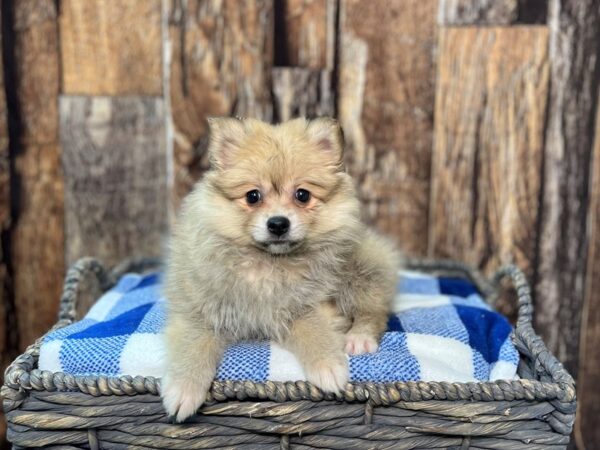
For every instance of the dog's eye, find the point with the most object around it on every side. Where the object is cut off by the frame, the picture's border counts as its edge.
(253, 196)
(302, 195)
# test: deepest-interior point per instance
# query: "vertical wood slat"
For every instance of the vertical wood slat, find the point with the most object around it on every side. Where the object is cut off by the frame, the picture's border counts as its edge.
(478, 12)
(491, 12)
(221, 59)
(490, 105)
(5, 216)
(5, 219)
(574, 77)
(115, 175)
(304, 87)
(309, 33)
(587, 432)
(114, 148)
(111, 47)
(299, 92)
(37, 238)
(385, 105)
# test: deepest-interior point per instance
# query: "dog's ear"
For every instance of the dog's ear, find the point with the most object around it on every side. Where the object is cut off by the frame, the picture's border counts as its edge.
(327, 134)
(226, 136)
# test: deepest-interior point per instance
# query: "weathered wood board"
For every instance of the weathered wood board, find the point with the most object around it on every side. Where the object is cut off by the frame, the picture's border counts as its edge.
(116, 191)
(36, 50)
(37, 237)
(301, 92)
(574, 78)
(221, 59)
(587, 432)
(111, 47)
(38, 241)
(5, 217)
(385, 105)
(487, 156)
(478, 12)
(492, 12)
(307, 35)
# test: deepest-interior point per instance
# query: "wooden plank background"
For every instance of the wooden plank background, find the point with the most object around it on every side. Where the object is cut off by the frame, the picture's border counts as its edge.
(486, 175)
(385, 101)
(37, 230)
(221, 61)
(114, 165)
(5, 218)
(472, 130)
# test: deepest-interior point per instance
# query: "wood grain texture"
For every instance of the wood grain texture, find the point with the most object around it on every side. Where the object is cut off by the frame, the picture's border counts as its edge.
(38, 241)
(5, 218)
(37, 235)
(301, 92)
(487, 159)
(491, 12)
(478, 12)
(37, 70)
(115, 176)
(587, 432)
(385, 106)
(111, 47)
(574, 77)
(308, 37)
(221, 59)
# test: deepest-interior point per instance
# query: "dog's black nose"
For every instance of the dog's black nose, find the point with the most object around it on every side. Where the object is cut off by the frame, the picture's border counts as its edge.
(278, 225)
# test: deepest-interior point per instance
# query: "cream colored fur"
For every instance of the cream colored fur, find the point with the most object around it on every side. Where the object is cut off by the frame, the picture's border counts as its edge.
(326, 292)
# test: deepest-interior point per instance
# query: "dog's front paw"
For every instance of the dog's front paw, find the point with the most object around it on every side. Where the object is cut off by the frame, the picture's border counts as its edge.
(182, 396)
(357, 344)
(330, 374)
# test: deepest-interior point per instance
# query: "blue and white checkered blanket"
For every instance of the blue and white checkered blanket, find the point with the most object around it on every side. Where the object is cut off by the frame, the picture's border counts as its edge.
(440, 330)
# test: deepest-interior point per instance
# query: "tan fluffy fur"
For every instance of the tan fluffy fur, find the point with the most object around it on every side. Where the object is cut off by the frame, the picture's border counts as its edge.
(224, 284)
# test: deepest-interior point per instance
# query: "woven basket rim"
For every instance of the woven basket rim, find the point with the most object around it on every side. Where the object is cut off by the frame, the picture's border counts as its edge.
(554, 383)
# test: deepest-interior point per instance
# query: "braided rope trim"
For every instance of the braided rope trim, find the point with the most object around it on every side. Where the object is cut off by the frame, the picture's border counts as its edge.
(555, 382)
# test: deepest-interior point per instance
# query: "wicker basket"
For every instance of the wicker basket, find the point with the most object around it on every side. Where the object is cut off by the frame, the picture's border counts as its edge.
(61, 411)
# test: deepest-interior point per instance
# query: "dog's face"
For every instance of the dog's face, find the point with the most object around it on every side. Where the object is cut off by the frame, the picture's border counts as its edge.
(279, 188)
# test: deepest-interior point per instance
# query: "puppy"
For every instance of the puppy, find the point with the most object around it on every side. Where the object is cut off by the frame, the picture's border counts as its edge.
(269, 245)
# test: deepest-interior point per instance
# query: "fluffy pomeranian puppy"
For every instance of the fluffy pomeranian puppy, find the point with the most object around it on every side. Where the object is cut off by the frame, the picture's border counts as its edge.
(270, 245)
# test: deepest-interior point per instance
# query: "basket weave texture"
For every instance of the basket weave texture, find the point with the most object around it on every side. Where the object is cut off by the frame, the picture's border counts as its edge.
(62, 411)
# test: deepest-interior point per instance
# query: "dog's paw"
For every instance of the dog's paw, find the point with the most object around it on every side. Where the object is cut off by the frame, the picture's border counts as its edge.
(330, 375)
(357, 344)
(182, 396)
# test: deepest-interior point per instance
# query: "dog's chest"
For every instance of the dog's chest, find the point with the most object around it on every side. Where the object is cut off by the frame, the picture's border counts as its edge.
(262, 300)
(266, 279)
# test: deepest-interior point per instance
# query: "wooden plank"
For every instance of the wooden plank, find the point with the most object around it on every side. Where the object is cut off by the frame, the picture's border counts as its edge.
(492, 12)
(221, 59)
(114, 155)
(111, 47)
(385, 106)
(487, 160)
(307, 35)
(36, 75)
(559, 291)
(37, 238)
(587, 432)
(38, 241)
(301, 92)
(5, 218)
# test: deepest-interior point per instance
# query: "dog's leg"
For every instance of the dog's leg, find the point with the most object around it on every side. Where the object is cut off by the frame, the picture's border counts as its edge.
(318, 342)
(369, 292)
(366, 331)
(193, 354)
